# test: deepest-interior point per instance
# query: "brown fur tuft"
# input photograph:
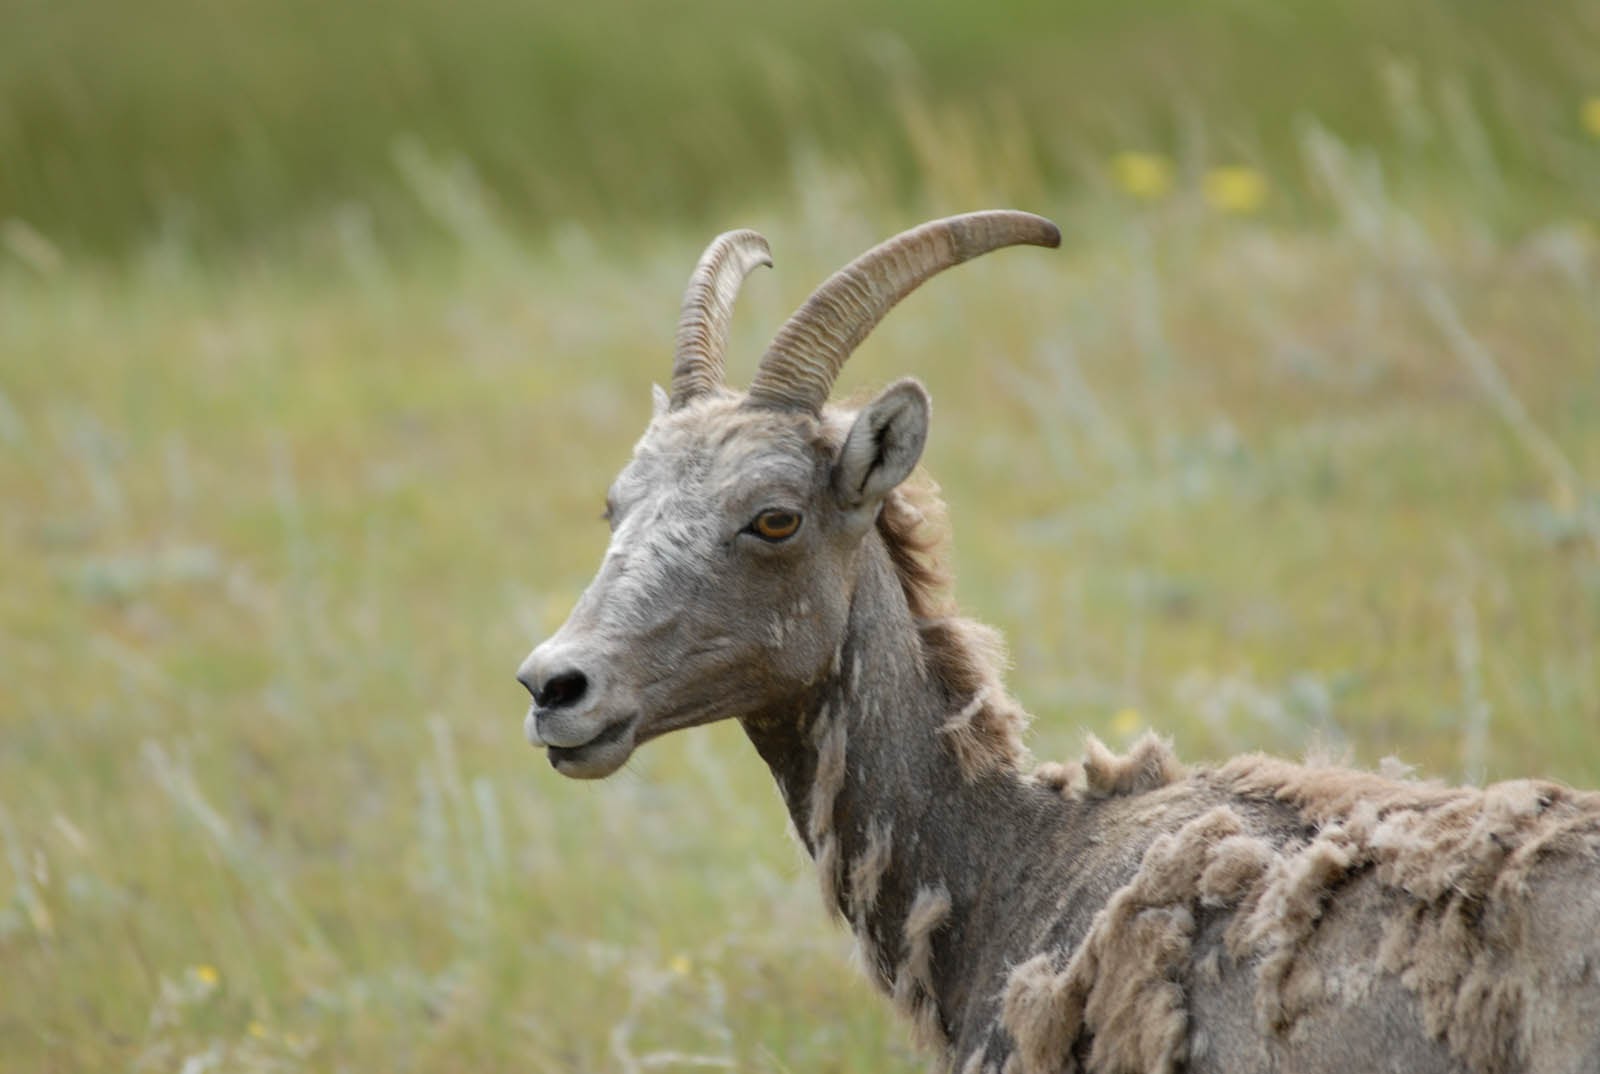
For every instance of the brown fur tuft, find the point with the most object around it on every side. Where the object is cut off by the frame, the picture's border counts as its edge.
(913, 984)
(1286, 909)
(866, 872)
(1148, 765)
(1037, 1013)
(829, 736)
(1124, 985)
(964, 656)
(1061, 777)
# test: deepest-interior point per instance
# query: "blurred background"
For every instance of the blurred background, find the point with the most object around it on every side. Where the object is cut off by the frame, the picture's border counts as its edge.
(323, 328)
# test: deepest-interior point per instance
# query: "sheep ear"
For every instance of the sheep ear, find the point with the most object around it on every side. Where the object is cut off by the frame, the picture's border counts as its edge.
(883, 446)
(659, 401)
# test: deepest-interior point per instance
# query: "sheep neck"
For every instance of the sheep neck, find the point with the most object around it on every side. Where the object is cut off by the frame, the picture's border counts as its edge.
(906, 848)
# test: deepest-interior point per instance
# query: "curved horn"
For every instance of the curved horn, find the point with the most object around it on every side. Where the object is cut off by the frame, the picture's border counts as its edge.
(707, 309)
(805, 357)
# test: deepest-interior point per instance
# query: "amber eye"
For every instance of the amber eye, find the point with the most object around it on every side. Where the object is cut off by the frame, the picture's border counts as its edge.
(775, 525)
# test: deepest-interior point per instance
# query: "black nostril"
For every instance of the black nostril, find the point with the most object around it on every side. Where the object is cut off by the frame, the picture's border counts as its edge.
(561, 691)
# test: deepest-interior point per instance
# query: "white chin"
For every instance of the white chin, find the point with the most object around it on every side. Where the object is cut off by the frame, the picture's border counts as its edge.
(601, 755)
(590, 762)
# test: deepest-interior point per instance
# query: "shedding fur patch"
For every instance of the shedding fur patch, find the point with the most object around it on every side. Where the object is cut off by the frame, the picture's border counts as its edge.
(974, 749)
(1037, 1013)
(1125, 983)
(913, 993)
(1233, 867)
(1460, 869)
(829, 737)
(866, 872)
(1058, 776)
(1149, 764)
(866, 879)
(1283, 913)
(975, 1065)
(963, 656)
(1444, 886)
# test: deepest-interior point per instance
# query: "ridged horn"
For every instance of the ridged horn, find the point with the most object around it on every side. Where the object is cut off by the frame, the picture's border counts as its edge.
(707, 309)
(805, 357)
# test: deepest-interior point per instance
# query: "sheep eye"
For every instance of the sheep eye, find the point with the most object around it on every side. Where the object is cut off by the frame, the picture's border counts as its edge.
(775, 525)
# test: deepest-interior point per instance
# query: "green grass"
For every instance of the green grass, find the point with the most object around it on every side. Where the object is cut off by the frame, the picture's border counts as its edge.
(288, 496)
(220, 126)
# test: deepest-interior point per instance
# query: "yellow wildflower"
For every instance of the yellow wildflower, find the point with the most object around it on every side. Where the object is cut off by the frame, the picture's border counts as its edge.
(1235, 189)
(256, 1030)
(680, 965)
(1591, 116)
(1126, 722)
(206, 974)
(1146, 176)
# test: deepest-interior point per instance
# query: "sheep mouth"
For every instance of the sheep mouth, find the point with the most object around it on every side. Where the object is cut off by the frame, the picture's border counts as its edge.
(601, 755)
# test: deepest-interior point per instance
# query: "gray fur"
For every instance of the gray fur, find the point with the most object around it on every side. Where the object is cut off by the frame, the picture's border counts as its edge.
(1115, 914)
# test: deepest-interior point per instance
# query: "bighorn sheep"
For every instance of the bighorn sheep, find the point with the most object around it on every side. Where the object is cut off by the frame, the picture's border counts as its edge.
(1117, 914)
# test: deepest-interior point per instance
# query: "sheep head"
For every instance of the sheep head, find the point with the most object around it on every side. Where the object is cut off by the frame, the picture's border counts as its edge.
(736, 527)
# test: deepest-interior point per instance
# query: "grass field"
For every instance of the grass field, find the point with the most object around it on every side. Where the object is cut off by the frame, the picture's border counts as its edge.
(214, 125)
(1301, 455)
